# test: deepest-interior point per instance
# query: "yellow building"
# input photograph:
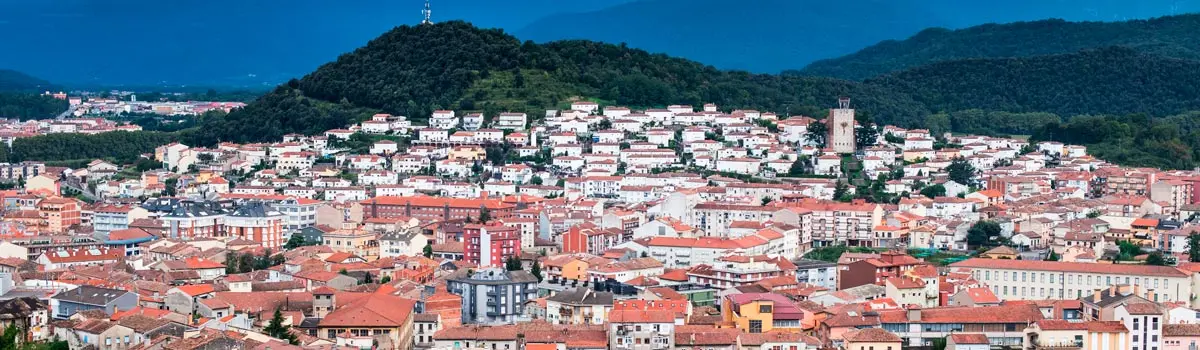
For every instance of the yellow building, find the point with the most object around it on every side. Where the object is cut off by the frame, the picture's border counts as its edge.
(42, 184)
(871, 339)
(761, 312)
(1092, 335)
(1001, 252)
(572, 266)
(470, 152)
(354, 241)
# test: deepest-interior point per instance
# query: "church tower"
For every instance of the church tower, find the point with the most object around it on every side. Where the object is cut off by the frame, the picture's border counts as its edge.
(841, 127)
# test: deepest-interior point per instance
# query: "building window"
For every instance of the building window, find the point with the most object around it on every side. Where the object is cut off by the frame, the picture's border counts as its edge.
(755, 326)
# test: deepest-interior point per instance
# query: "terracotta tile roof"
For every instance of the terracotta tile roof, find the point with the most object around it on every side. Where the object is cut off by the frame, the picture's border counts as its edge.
(982, 295)
(1059, 266)
(1009, 313)
(969, 338)
(1181, 330)
(376, 310)
(870, 335)
(196, 289)
(1091, 326)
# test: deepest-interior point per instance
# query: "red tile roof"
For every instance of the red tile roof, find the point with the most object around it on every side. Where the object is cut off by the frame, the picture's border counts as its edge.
(969, 338)
(1059, 266)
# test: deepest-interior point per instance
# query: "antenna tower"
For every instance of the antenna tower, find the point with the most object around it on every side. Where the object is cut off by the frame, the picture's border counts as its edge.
(427, 13)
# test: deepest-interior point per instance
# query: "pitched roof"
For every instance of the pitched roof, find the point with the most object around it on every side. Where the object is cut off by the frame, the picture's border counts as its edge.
(969, 338)
(376, 310)
(1060, 266)
(871, 335)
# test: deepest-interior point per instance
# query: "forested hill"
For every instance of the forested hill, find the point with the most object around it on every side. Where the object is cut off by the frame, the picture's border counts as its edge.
(1172, 36)
(11, 80)
(20, 97)
(413, 70)
(1112, 80)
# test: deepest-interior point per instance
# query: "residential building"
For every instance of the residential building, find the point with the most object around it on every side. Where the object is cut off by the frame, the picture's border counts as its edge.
(493, 295)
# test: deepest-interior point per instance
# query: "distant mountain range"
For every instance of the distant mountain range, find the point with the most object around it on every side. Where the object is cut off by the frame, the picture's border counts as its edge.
(775, 35)
(259, 43)
(1174, 36)
(14, 81)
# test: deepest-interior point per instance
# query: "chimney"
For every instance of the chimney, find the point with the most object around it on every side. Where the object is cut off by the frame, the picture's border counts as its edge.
(1137, 290)
(1096, 296)
(483, 194)
(1112, 290)
(914, 314)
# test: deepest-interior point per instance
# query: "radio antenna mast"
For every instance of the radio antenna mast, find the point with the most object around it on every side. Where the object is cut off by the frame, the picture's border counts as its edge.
(427, 13)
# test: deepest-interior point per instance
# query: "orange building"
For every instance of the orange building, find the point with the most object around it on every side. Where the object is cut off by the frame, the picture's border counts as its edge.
(256, 221)
(59, 213)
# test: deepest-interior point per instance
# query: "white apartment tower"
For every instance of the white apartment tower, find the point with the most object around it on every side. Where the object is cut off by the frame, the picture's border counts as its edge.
(841, 127)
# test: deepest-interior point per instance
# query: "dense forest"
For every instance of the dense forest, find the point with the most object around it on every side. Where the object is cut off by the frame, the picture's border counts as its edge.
(25, 106)
(119, 146)
(1134, 140)
(1110, 80)
(20, 97)
(1173, 36)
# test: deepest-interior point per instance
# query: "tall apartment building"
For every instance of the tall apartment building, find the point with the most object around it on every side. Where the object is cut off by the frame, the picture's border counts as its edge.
(195, 219)
(59, 213)
(256, 221)
(493, 296)
(490, 245)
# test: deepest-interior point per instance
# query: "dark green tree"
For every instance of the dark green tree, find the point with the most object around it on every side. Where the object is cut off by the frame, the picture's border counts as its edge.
(513, 263)
(961, 171)
(983, 233)
(276, 329)
(485, 215)
(1194, 247)
(817, 134)
(1053, 256)
(934, 191)
(428, 250)
(536, 270)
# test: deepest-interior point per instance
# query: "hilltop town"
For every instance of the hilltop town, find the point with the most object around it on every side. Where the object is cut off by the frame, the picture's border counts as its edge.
(599, 227)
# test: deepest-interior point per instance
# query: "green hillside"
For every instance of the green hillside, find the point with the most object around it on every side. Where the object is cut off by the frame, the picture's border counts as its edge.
(1173, 36)
(413, 70)
(1104, 81)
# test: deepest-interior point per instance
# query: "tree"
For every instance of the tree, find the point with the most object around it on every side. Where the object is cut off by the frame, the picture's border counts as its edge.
(1156, 259)
(428, 250)
(536, 180)
(296, 241)
(766, 200)
(982, 233)
(1194, 247)
(276, 329)
(934, 191)
(485, 215)
(799, 167)
(385, 279)
(866, 134)
(513, 263)
(961, 171)
(1053, 256)
(817, 133)
(536, 270)
(841, 191)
